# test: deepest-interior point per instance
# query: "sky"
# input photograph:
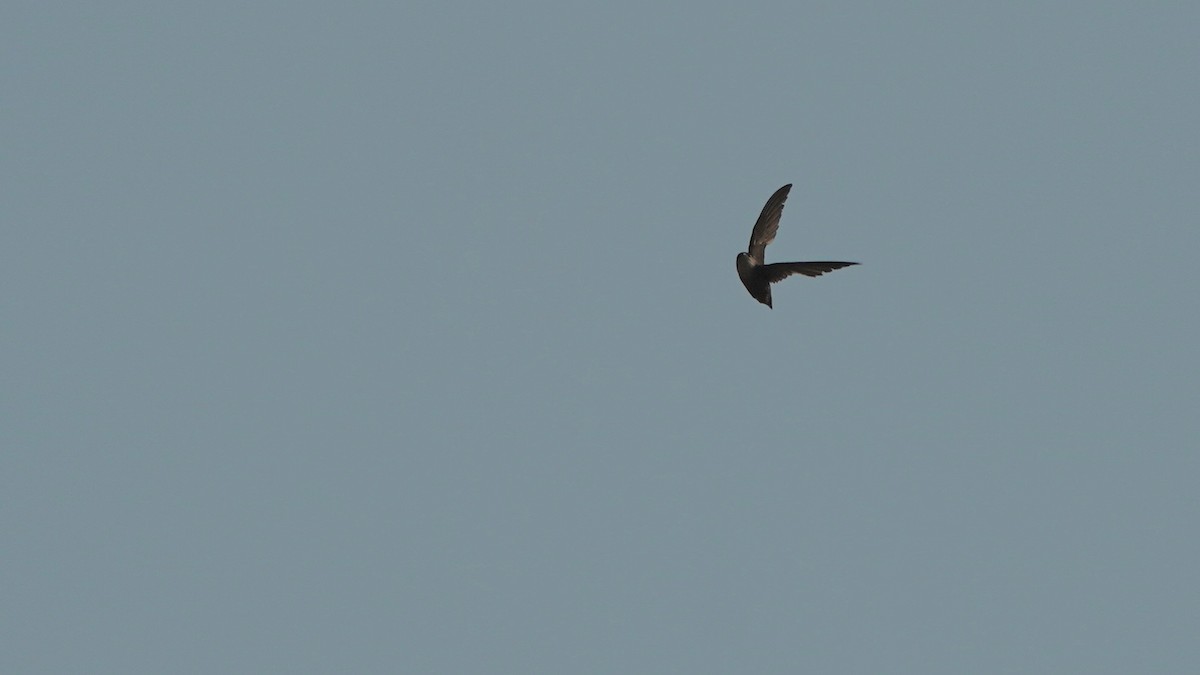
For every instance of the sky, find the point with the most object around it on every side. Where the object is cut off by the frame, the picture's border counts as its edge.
(407, 338)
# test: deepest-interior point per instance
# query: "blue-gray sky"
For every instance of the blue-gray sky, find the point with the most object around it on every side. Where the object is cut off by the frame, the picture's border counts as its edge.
(406, 337)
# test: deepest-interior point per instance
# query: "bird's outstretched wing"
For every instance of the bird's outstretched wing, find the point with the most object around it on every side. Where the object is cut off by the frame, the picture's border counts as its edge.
(776, 271)
(768, 223)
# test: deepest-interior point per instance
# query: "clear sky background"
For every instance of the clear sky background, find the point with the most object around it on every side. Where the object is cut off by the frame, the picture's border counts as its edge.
(406, 338)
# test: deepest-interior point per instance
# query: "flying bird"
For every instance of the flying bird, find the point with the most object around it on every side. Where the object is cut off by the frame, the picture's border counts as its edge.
(758, 276)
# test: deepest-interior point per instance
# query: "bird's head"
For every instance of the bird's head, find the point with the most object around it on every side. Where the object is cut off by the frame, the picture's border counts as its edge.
(745, 261)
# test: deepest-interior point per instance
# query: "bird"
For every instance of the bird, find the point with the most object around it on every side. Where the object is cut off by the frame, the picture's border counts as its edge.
(756, 275)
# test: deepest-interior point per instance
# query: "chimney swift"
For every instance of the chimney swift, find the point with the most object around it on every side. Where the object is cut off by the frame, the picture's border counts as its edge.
(756, 276)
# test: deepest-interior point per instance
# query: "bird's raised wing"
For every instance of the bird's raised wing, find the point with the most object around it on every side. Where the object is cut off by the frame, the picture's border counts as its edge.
(768, 223)
(776, 271)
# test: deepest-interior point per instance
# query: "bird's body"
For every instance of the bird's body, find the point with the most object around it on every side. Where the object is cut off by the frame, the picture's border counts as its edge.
(756, 275)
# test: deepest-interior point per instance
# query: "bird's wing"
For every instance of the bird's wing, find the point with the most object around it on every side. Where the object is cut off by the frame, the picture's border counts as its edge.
(768, 223)
(776, 271)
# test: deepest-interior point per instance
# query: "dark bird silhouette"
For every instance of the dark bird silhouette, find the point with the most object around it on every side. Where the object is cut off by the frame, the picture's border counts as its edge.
(757, 276)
